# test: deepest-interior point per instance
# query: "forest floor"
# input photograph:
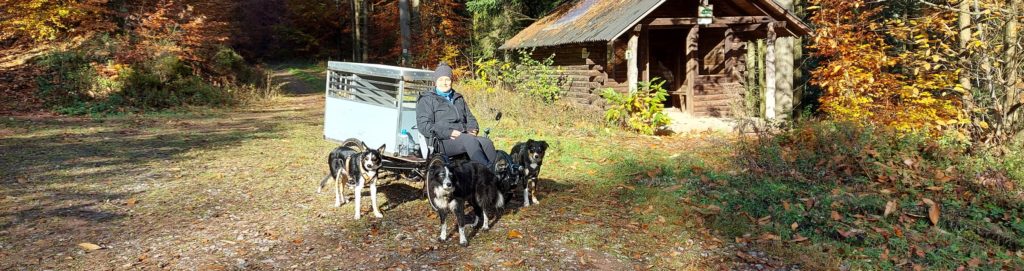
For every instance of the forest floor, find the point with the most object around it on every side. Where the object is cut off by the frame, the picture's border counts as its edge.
(231, 189)
(217, 189)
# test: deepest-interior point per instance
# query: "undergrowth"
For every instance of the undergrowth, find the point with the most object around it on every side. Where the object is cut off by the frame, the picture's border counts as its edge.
(106, 75)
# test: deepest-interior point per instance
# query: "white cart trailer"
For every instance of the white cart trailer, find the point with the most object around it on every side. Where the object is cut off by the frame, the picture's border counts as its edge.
(374, 104)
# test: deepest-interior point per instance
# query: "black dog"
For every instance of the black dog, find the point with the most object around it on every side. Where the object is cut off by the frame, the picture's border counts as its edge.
(510, 175)
(356, 166)
(450, 188)
(530, 156)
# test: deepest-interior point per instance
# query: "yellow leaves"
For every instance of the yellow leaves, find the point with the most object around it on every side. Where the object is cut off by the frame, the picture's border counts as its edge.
(865, 80)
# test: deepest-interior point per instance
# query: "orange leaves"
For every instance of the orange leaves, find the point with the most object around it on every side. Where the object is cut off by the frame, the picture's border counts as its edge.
(933, 210)
(836, 216)
(866, 80)
(514, 234)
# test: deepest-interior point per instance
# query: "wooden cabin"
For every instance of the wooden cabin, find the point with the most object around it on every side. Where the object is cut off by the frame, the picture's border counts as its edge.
(602, 44)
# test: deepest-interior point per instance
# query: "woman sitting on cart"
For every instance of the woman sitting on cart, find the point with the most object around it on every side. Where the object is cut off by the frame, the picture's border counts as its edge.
(443, 114)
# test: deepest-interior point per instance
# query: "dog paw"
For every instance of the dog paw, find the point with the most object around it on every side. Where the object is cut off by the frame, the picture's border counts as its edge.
(464, 243)
(378, 215)
(535, 201)
(486, 228)
(442, 239)
(356, 216)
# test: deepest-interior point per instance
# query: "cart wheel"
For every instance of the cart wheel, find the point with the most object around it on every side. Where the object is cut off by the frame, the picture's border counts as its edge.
(354, 143)
(434, 161)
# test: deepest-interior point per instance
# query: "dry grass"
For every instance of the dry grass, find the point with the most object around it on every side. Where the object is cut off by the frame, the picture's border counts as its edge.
(213, 189)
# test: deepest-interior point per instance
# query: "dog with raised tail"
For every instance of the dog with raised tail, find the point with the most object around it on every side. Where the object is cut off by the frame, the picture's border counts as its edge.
(529, 156)
(451, 187)
(354, 167)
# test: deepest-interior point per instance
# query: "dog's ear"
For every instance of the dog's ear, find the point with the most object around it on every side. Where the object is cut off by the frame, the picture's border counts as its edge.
(529, 141)
(544, 145)
(381, 149)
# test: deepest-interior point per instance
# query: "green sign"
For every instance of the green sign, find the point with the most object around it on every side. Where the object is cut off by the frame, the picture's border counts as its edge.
(705, 11)
(704, 14)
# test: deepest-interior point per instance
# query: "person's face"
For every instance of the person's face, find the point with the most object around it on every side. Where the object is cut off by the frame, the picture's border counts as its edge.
(443, 83)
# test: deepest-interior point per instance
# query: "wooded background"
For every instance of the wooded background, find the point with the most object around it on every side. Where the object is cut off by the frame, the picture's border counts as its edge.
(949, 66)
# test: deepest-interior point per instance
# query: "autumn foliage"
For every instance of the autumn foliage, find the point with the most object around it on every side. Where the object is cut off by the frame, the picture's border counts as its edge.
(895, 72)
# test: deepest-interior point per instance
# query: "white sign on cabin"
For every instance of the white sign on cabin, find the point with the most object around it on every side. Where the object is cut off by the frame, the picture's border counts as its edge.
(705, 14)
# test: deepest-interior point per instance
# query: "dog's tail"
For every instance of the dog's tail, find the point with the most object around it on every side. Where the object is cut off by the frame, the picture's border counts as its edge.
(323, 183)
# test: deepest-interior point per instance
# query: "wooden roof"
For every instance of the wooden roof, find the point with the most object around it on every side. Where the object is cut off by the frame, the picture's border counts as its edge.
(584, 21)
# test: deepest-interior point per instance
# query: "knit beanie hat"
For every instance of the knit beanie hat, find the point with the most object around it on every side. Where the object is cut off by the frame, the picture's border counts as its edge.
(442, 70)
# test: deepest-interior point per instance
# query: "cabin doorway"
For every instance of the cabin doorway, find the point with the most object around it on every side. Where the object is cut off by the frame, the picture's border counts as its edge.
(667, 53)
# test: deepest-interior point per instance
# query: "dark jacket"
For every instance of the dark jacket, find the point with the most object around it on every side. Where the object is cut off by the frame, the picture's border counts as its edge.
(436, 117)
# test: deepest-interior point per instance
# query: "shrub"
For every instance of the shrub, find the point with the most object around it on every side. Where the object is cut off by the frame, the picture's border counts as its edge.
(538, 78)
(90, 80)
(640, 110)
(852, 152)
(68, 78)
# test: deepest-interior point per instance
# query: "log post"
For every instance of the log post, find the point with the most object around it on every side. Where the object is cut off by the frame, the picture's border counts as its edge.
(691, 66)
(631, 59)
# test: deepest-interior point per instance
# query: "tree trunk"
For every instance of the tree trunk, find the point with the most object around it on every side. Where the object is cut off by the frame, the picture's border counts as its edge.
(1011, 68)
(965, 38)
(403, 15)
(357, 31)
(364, 32)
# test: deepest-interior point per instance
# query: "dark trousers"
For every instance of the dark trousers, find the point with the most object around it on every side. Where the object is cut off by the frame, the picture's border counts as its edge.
(479, 149)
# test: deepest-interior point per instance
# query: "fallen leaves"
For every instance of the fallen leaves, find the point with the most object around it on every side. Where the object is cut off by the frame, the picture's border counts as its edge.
(513, 264)
(514, 234)
(890, 207)
(836, 216)
(933, 210)
(710, 210)
(850, 233)
(89, 246)
(131, 202)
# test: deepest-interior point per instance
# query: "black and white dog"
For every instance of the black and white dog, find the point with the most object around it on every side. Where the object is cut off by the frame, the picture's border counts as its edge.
(530, 156)
(449, 188)
(354, 167)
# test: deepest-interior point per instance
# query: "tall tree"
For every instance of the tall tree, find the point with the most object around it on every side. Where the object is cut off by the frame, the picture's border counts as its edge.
(403, 6)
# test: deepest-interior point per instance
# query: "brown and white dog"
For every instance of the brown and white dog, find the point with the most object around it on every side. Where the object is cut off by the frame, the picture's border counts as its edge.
(529, 156)
(355, 168)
